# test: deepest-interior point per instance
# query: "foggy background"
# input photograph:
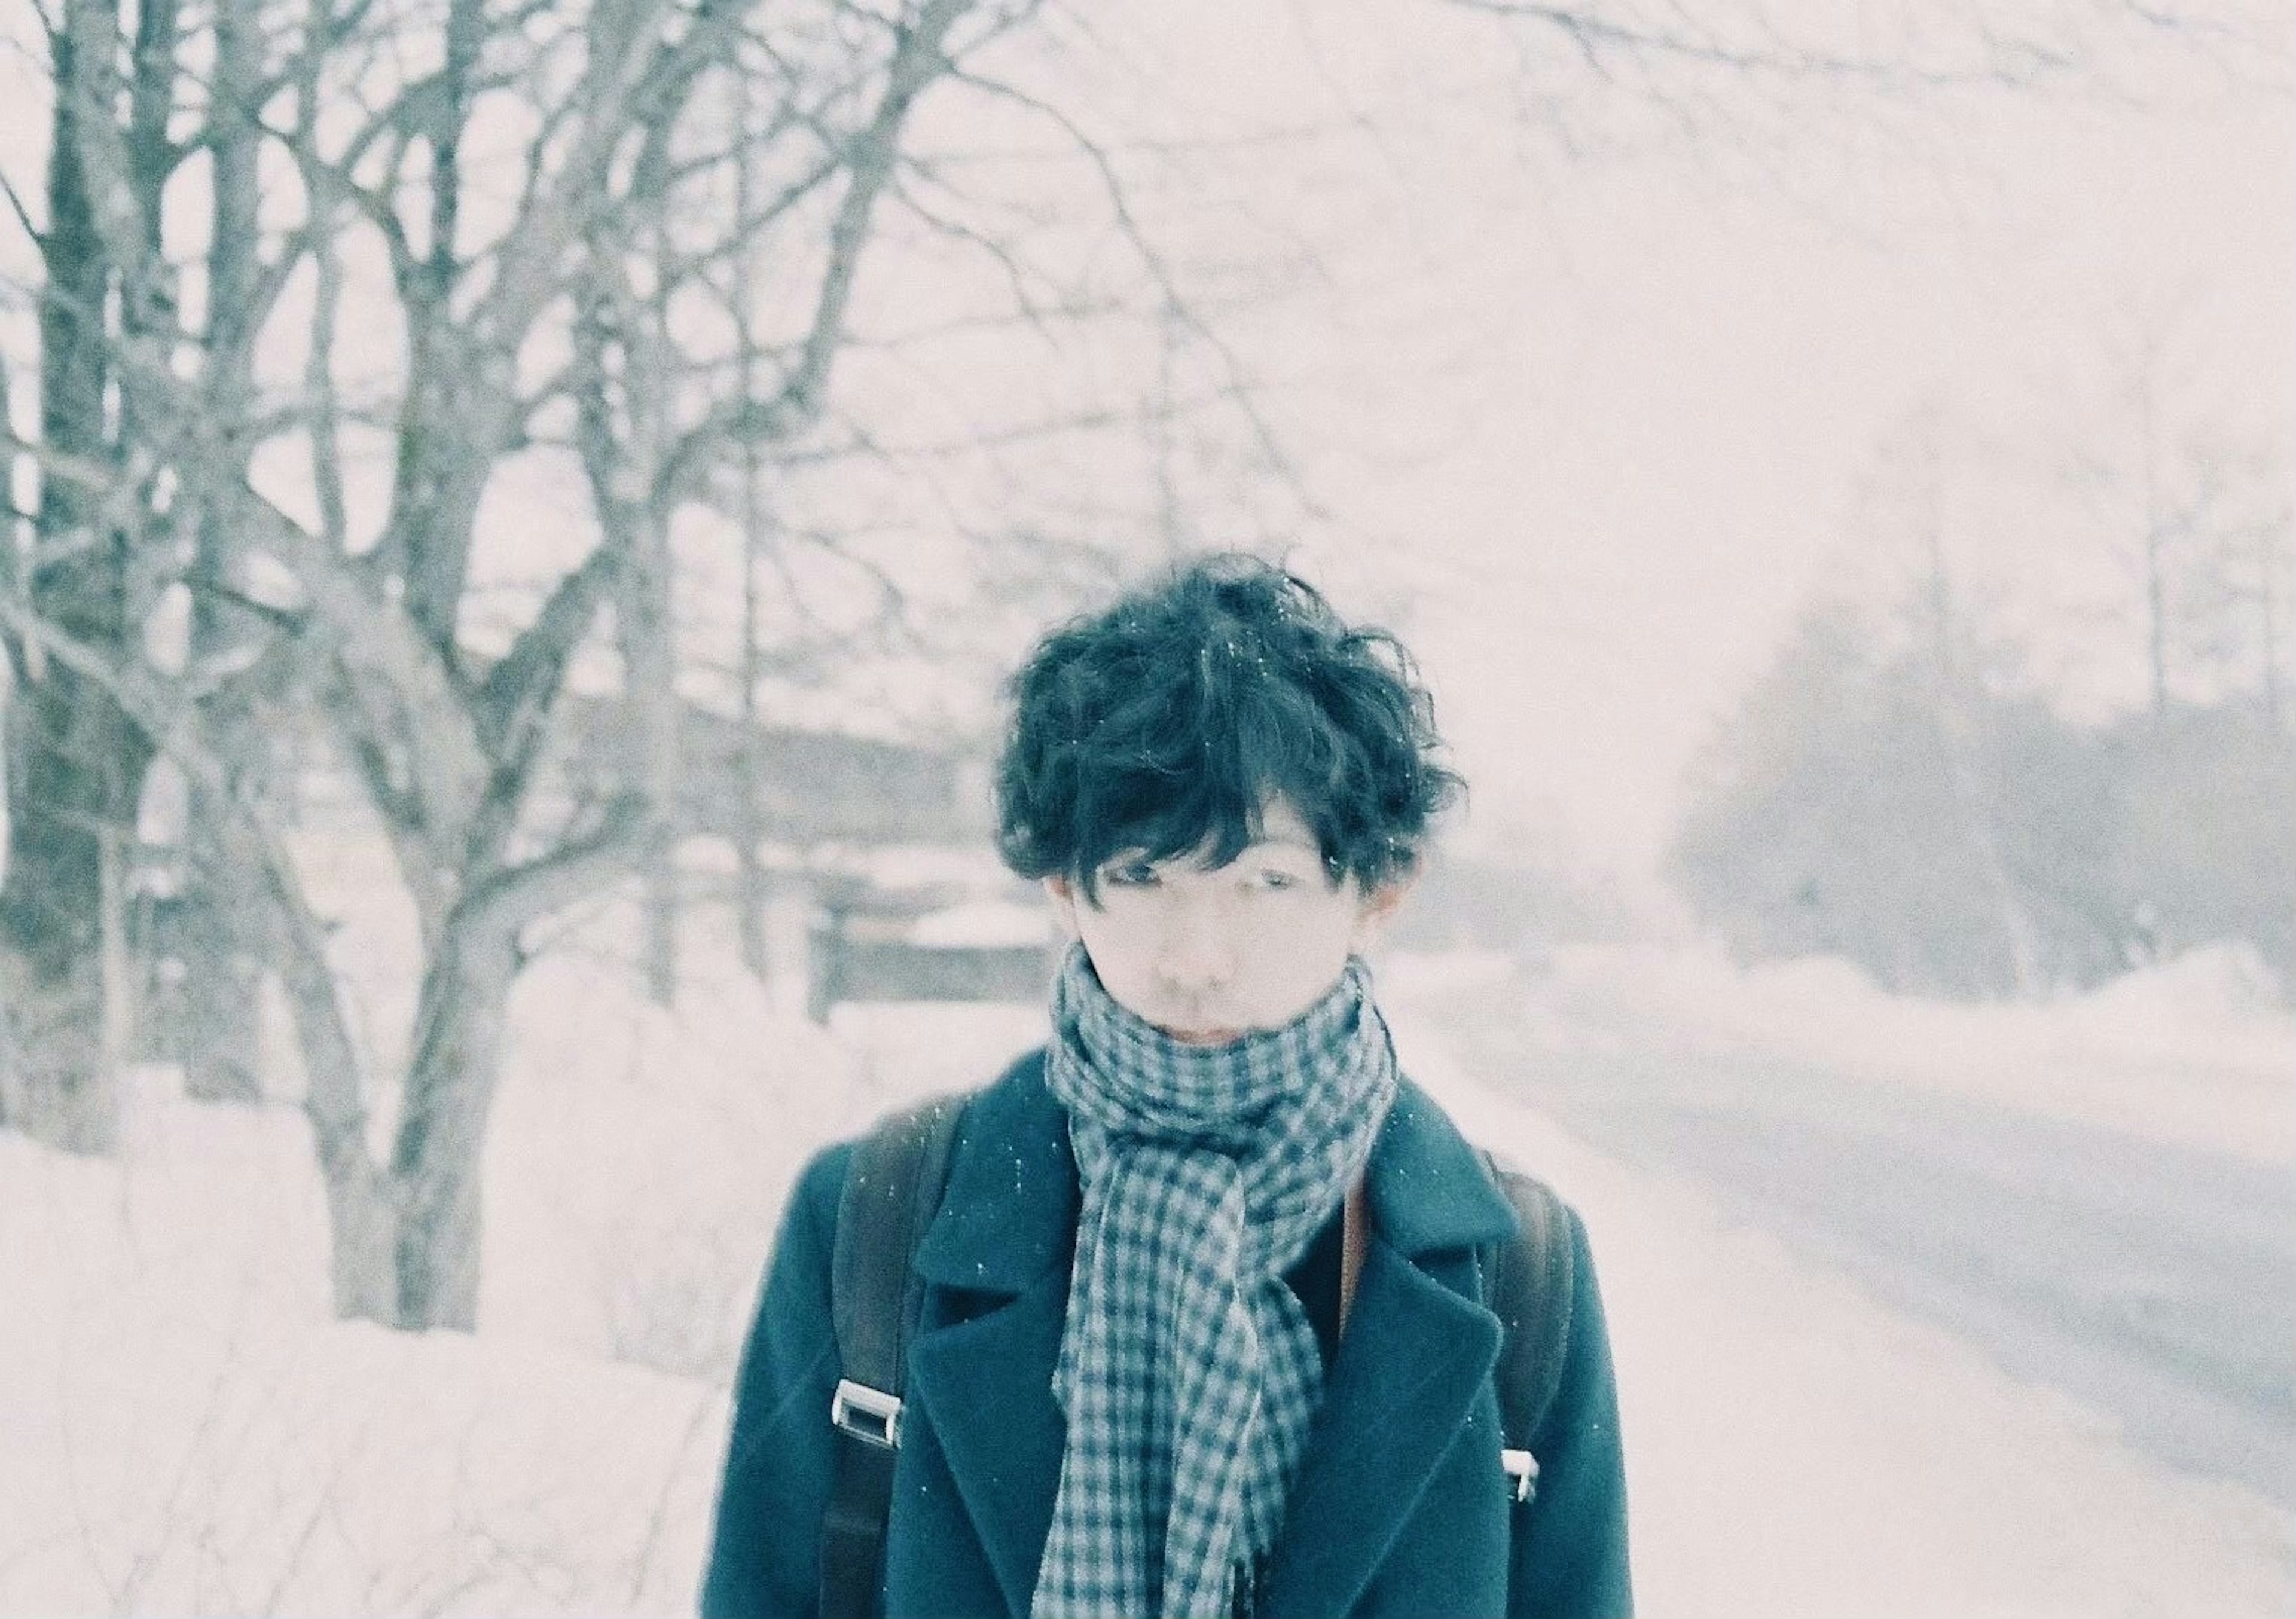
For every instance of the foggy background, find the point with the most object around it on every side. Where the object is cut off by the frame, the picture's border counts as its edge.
(518, 518)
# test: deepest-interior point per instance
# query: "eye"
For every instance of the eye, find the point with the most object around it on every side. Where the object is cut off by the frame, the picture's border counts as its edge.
(1276, 882)
(1131, 874)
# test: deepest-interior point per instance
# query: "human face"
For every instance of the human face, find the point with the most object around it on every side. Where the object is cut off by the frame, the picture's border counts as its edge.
(1209, 955)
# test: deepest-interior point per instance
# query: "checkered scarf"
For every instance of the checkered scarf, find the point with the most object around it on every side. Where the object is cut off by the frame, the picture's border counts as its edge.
(1188, 1370)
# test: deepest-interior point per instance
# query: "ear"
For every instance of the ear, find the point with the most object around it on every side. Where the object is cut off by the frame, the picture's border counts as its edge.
(1374, 909)
(1063, 893)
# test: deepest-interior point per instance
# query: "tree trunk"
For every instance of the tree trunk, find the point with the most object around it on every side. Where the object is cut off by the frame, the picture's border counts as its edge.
(649, 659)
(652, 674)
(77, 764)
(438, 1161)
(13, 1104)
(56, 1087)
(750, 894)
(1954, 706)
(362, 1247)
(2271, 545)
(753, 893)
(661, 906)
(362, 1204)
(221, 980)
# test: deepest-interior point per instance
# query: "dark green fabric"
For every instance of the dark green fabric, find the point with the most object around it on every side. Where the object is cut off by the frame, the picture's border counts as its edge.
(1315, 1280)
(1401, 1509)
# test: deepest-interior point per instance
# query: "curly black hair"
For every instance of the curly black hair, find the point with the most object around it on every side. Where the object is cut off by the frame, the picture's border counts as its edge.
(1162, 724)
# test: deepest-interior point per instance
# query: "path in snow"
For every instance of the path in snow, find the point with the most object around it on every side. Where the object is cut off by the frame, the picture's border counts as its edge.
(2156, 1282)
(1795, 1444)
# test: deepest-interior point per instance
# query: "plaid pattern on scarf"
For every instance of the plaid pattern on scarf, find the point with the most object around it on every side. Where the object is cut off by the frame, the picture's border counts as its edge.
(1188, 1370)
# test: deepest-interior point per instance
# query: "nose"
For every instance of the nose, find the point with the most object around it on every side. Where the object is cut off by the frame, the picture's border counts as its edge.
(1197, 955)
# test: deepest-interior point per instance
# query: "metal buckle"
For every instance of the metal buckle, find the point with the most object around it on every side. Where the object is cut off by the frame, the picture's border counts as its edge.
(1522, 1467)
(870, 1415)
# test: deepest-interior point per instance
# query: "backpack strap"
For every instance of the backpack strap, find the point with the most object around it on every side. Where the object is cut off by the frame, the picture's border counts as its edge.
(1528, 1283)
(893, 1187)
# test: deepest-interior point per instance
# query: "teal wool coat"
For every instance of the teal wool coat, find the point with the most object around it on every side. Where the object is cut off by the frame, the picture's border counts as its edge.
(1401, 1507)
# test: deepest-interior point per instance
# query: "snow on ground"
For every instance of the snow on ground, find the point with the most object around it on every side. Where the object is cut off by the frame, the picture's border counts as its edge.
(1794, 1448)
(639, 1159)
(183, 1430)
(2198, 1052)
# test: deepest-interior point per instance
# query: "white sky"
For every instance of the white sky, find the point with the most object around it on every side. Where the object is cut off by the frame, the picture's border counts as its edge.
(1591, 427)
(1662, 387)
(1729, 380)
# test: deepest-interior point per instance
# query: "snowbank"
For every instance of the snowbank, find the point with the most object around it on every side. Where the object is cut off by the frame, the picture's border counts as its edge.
(2196, 1051)
(186, 1430)
(640, 1157)
(1793, 1448)
(186, 1433)
(985, 922)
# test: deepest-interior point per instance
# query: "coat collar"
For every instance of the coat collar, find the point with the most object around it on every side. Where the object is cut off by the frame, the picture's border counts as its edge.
(1428, 1190)
(1415, 1353)
(1011, 1209)
(1010, 1213)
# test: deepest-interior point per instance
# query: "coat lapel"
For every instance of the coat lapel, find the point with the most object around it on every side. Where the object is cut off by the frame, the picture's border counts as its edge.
(1006, 1227)
(1416, 1352)
(986, 1386)
(1414, 1357)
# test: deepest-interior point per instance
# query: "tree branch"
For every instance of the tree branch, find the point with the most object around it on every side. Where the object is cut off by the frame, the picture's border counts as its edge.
(33, 232)
(1176, 306)
(917, 59)
(335, 1102)
(408, 702)
(507, 901)
(516, 697)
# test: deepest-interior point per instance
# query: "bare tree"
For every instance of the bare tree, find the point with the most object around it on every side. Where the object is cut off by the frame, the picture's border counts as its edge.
(514, 187)
(212, 939)
(1953, 673)
(620, 240)
(2190, 516)
(1594, 73)
(79, 764)
(2238, 582)
(1958, 707)
(2270, 592)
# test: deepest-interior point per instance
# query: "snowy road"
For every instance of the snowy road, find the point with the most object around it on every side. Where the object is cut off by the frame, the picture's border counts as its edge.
(2152, 1283)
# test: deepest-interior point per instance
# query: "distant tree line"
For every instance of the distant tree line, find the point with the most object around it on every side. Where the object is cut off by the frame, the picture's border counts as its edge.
(1961, 837)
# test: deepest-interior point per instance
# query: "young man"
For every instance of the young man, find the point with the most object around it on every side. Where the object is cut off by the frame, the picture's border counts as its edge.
(1204, 1326)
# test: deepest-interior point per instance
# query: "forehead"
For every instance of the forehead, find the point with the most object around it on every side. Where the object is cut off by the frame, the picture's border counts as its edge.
(1281, 821)
(1280, 828)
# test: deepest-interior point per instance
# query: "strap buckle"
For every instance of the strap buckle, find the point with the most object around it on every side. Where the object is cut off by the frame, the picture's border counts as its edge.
(1522, 1467)
(870, 1415)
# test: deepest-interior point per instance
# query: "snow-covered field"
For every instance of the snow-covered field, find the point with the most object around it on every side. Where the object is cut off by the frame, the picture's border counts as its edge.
(1793, 1448)
(182, 1430)
(2198, 1052)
